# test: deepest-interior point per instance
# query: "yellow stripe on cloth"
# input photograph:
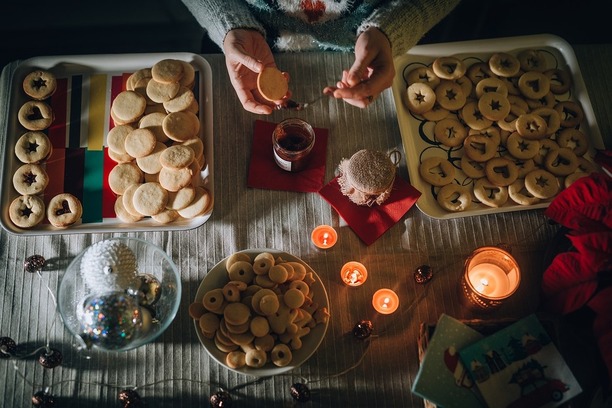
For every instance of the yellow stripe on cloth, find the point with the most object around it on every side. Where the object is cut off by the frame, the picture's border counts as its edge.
(97, 111)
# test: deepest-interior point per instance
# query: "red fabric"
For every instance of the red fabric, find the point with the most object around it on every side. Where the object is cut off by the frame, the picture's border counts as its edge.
(585, 205)
(370, 223)
(264, 173)
(604, 159)
(108, 197)
(59, 102)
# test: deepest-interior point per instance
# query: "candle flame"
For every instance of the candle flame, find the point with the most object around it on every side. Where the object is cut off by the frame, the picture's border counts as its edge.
(484, 282)
(386, 302)
(325, 236)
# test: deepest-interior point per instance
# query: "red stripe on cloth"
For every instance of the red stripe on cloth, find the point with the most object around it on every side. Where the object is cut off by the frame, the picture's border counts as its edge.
(59, 104)
(55, 166)
(117, 85)
(108, 197)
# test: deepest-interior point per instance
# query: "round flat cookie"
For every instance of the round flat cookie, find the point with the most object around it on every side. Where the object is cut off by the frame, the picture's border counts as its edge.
(272, 84)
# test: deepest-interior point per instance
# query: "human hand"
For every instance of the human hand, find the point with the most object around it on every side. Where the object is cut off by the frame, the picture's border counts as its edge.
(246, 55)
(371, 73)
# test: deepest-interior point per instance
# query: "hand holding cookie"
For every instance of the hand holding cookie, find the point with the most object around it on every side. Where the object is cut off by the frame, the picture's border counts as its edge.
(246, 56)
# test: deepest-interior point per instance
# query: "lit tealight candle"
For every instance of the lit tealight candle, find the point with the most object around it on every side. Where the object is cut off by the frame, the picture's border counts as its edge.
(324, 236)
(354, 273)
(491, 275)
(385, 301)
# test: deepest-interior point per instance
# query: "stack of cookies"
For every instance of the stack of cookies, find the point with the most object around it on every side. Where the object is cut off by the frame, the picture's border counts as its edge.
(32, 149)
(156, 145)
(511, 120)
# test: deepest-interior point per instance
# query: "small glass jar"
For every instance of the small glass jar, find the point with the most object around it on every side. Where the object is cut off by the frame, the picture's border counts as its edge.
(292, 141)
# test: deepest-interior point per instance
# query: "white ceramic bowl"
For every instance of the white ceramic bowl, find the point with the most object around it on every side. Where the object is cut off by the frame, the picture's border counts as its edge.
(217, 277)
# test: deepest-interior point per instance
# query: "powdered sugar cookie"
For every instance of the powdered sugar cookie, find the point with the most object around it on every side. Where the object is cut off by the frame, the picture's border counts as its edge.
(151, 164)
(199, 206)
(128, 106)
(167, 70)
(122, 176)
(115, 139)
(140, 143)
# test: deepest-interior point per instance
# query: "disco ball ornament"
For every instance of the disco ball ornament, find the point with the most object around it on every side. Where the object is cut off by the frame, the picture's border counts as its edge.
(109, 265)
(112, 320)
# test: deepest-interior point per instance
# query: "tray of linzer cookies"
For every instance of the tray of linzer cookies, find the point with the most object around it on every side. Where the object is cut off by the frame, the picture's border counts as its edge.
(494, 126)
(102, 143)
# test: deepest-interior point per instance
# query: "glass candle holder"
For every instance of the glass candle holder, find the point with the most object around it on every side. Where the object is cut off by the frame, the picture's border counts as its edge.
(353, 274)
(292, 141)
(490, 276)
(324, 236)
(385, 301)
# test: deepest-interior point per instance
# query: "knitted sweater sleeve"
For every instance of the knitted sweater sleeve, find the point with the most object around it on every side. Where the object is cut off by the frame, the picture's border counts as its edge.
(218, 17)
(404, 22)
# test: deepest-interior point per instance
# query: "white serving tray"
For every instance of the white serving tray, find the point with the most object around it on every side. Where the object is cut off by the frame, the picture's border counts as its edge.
(112, 65)
(417, 133)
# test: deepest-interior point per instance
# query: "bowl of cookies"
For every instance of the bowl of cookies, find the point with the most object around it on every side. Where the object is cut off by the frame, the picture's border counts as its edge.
(261, 312)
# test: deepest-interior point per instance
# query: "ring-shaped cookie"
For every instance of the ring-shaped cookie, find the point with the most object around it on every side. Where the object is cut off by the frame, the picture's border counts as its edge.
(524, 166)
(30, 179)
(494, 106)
(450, 132)
(262, 263)
(421, 97)
(423, 74)
(534, 85)
(551, 116)
(570, 113)
(492, 84)
(39, 84)
(532, 60)
(480, 147)
(560, 80)
(450, 95)
(35, 115)
(492, 132)
(241, 271)
(436, 113)
(471, 115)
(512, 84)
(472, 168)
(574, 139)
(448, 67)
(64, 210)
(437, 171)
(27, 211)
(522, 148)
(256, 358)
(504, 64)
(489, 194)
(547, 101)
(479, 71)
(531, 126)
(453, 197)
(561, 162)
(501, 171)
(33, 147)
(542, 184)
(546, 146)
(281, 355)
(520, 195)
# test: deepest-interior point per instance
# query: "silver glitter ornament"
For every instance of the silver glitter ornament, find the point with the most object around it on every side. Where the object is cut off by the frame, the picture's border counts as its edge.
(112, 320)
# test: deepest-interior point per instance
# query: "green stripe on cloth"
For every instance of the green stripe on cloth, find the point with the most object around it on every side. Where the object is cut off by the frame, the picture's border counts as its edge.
(92, 186)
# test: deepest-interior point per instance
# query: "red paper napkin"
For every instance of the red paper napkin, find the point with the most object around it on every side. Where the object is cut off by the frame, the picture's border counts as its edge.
(265, 173)
(369, 223)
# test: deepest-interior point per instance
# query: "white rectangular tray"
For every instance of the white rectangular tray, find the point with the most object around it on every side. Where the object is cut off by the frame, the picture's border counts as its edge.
(112, 65)
(417, 133)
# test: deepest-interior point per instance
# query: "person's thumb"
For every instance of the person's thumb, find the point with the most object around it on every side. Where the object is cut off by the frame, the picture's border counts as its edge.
(358, 72)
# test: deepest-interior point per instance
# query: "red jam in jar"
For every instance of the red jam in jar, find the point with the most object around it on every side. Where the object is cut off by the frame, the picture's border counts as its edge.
(292, 141)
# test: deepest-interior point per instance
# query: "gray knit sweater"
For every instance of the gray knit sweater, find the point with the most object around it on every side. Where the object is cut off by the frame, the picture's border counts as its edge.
(301, 25)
